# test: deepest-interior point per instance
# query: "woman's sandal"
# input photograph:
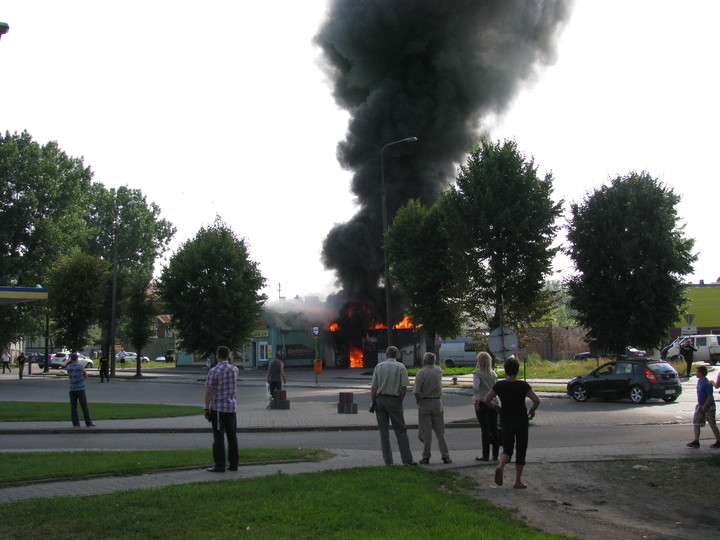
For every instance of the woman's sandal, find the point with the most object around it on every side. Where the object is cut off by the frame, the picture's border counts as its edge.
(520, 486)
(499, 476)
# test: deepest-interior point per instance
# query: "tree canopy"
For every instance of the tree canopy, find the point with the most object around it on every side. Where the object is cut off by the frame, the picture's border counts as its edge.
(503, 223)
(630, 254)
(77, 283)
(418, 253)
(211, 287)
(42, 199)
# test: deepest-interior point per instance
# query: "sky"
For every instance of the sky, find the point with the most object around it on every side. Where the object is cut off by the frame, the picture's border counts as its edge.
(220, 108)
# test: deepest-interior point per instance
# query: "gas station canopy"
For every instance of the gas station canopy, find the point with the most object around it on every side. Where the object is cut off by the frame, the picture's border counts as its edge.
(13, 295)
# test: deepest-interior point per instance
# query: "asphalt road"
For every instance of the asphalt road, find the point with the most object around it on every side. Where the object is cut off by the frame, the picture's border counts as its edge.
(560, 422)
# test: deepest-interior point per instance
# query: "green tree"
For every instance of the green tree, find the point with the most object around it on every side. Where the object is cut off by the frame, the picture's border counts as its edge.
(503, 221)
(418, 254)
(631, 254)
(141, 311)
(211, 287)
(76, 285)
(42, 203)
(128, 232)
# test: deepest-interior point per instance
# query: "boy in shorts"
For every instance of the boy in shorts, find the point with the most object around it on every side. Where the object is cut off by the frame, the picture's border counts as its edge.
(704, 410)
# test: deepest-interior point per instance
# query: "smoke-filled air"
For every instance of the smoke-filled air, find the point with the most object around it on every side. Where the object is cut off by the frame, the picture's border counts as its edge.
(431, 69)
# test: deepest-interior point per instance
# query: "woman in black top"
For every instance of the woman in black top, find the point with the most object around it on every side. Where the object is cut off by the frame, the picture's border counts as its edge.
(514, 418)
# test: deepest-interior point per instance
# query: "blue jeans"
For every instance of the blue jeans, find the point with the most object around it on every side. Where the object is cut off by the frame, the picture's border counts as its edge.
(75, 396)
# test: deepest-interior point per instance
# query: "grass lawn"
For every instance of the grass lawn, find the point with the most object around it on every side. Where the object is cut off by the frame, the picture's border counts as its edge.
(37, 411)
(26, 466)
(378, 502)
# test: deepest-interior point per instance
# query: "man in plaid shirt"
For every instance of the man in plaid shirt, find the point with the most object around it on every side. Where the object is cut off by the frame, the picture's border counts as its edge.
(220, 409)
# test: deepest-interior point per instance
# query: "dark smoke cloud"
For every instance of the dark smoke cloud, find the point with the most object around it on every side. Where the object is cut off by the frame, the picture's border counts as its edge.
(433, 69)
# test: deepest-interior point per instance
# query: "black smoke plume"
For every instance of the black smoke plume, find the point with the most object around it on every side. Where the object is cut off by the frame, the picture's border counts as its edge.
(431, 69)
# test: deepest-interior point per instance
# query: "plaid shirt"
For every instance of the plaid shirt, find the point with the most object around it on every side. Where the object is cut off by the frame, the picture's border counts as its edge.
(223, 381)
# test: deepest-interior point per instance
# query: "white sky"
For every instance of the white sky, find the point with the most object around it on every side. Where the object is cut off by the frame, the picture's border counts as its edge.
(219, 107)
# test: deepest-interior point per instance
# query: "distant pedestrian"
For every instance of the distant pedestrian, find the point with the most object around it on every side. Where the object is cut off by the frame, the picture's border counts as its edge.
(705, 409)
(76, 378)
(121, 355)
(6, 362)
(104, 368)
(221, 410)
(431, 417)
(484, 378)
(275, 377)
(387, 390)
(514, 418)
(687, 349)
(21, 364)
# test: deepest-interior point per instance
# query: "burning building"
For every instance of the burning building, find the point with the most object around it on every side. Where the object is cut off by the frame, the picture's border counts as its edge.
(431, 69)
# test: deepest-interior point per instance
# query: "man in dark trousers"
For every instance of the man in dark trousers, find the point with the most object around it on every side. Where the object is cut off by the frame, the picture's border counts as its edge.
(387, 390)
(276, 377)
(76, 378)
(687, 349)
(221, 410)
(104, 368)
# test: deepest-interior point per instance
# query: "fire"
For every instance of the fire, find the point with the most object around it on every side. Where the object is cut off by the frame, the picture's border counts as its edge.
(333, 327)
(404, 324)
(356, 358)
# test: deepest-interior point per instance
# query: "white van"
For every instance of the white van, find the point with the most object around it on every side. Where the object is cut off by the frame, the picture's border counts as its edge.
(457, 353)
(707, 345)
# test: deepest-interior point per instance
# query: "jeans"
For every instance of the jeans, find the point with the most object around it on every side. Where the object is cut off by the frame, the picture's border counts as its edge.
(224, 425)
(75, 396)
(390, 409)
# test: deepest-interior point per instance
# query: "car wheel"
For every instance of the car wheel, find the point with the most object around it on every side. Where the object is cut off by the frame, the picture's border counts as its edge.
(579, 393)
(637, 394)
(449, 363)
(669, 399)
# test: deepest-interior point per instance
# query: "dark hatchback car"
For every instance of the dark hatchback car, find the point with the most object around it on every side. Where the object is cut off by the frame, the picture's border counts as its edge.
(637, 378)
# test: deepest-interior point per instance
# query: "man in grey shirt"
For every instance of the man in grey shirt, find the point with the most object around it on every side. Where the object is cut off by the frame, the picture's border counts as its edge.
(389, 384)
(431, 417)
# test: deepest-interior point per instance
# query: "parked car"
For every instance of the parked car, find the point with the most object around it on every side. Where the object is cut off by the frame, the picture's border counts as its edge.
(60, 360)
(130, 356)
(635, 378)
(583, 355)
(458, 353)
(708, 348)
(159, 358)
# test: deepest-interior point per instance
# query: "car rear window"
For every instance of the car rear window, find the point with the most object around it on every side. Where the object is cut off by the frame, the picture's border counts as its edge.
(659, 367)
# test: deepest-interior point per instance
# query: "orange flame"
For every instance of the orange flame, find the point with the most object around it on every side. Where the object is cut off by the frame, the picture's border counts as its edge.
(404, 324)
(356, 358)
(333, 327)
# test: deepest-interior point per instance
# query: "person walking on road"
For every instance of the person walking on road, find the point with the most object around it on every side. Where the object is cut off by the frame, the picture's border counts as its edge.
(687, 350)
(221, 410)
(121, 355)
(275, 377)
(6, 362)
(514, 418)
(76, 378)
(21, 364)
(104, 368)
(705, 409)
(431, 417)
(484, 378)
(387, 390)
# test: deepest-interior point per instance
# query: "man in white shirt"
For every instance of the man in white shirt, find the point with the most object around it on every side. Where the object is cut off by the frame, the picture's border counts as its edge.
(389, 384)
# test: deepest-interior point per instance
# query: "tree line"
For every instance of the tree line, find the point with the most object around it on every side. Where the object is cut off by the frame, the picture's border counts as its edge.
(482, 253)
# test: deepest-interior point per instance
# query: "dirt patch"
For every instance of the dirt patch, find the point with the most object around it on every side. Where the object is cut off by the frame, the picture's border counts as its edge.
(629, 499)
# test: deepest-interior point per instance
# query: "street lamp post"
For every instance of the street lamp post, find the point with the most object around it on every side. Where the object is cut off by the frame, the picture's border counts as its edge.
(388, 310)
(113, 303)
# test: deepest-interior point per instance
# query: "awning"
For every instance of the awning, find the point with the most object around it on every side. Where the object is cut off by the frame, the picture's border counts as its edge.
(13, 295)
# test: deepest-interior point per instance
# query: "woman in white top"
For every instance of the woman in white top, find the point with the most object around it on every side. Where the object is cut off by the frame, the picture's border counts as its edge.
(484, 378)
